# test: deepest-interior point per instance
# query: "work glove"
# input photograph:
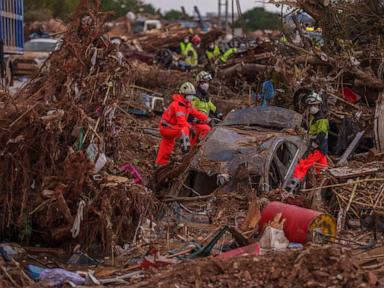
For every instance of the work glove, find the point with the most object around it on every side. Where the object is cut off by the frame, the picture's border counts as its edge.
(192, 133)
(314, 146)
(220, 116)
(214, 122)
(185, 144)
(293, 186)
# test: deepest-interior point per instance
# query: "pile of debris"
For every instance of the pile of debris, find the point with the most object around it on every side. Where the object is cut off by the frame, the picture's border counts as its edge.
(78, 143)
(316, 266)
(154, 40)
(58, 134)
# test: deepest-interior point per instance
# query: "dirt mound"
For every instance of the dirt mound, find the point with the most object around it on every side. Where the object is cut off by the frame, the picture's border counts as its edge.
(71, 112)
(314, 267)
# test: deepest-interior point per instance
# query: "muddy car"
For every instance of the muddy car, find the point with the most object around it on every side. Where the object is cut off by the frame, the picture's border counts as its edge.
(36, 51)
(256, 145)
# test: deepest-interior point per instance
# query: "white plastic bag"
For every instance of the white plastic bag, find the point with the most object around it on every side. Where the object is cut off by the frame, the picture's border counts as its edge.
(273, 238)
(94, 155)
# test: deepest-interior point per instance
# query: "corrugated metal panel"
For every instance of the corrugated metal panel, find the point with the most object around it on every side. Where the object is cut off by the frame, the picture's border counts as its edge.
(12, 25)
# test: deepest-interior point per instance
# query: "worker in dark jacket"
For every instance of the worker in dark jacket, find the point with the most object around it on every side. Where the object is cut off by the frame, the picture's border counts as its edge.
(203, 104)
(318, 132)
(213, 52)
(201, 100)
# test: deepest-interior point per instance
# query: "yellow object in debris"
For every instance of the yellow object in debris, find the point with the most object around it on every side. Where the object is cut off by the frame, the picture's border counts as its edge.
(323, 224)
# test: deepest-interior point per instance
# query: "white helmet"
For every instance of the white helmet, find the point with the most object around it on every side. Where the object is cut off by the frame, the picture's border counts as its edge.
(313, 98)
(187, 88)
(203, 76)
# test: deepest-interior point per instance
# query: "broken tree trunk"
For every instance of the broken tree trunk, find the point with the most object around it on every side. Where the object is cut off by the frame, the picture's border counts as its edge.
(63, 206)
(243, 69)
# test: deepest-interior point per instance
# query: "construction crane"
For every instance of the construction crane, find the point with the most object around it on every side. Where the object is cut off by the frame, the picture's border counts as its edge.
(201, 23)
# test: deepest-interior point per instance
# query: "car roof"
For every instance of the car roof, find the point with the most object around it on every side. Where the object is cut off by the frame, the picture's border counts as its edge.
(46, 40)
(268, 117)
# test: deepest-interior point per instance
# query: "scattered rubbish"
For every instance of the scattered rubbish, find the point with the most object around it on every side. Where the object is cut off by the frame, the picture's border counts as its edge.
(350, 95)
(80, 258)
(94, 155)
(351, 148)
(273, 238)
(249, 250)
(154, 259)
(96, 104)
(8, 252)
(267, 93)
(34, 271)
(152, 102)
(56, 277)
(373, 222)
(128, 168)
(297, 246)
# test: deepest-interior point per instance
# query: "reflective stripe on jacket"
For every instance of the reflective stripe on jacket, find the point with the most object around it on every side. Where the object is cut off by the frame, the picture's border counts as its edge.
(178, 111)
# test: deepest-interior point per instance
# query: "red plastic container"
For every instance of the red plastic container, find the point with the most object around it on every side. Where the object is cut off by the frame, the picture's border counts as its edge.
(250, 250)
(350, 95)
(299, 222)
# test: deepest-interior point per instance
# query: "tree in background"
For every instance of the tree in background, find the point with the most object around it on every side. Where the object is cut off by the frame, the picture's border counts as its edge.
(259, 18)
(42, 10)
(122, 7)
(173, 15)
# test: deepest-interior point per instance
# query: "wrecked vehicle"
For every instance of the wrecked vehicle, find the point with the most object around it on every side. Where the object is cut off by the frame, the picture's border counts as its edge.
(36, 53)
(256, 145)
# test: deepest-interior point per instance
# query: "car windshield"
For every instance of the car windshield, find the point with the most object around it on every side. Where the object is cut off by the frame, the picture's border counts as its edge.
(40, 46)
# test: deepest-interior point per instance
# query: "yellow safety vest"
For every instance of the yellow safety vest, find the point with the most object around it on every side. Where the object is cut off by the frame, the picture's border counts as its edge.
(213, 54)
(203, 106)
(191, 60)
(184, 48)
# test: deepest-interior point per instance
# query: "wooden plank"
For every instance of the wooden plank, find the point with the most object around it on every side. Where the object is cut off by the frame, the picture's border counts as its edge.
(379, 123)
(348, 172)
(351, 148)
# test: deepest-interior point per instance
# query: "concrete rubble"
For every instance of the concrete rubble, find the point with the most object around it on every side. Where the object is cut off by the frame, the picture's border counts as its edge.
(81, 195)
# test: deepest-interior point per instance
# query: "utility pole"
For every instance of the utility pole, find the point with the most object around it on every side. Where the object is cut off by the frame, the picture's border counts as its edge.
(233, 18)
(226, 16)
(221, 4)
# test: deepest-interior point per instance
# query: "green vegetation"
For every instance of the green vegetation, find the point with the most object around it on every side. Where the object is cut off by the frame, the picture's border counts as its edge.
(46, 9)
(259, 18)
(173, 15)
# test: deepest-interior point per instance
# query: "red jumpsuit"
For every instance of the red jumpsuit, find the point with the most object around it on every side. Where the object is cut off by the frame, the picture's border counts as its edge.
(174, 123)
(315, 159)
(200, 131)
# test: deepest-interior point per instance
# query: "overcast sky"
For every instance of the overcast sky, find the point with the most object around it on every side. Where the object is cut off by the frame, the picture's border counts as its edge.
(204, 5)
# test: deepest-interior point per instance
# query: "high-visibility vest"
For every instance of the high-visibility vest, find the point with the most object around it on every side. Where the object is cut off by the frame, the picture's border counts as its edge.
(191, 60)
(203, 106)
(227, 55)
(213, 54)
(184, 48)
(317, 126)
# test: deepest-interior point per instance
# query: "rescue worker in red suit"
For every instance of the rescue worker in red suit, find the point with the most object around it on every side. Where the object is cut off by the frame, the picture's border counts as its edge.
(174, 124)
(318, 132)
